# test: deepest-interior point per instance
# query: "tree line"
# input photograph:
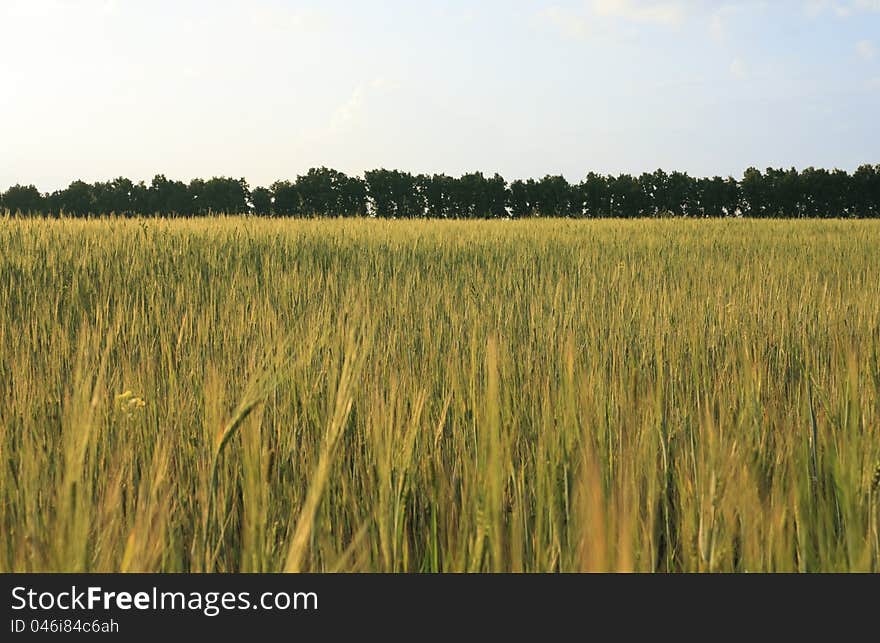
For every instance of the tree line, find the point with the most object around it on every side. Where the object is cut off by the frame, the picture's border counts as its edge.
(813, 193)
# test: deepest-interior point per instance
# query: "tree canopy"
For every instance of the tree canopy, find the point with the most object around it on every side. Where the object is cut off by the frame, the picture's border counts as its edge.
(788, 193)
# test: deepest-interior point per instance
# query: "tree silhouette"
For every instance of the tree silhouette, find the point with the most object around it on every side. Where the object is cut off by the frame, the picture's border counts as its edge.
(285, 199)
(261, 201)
(774, 192)
(23, 199)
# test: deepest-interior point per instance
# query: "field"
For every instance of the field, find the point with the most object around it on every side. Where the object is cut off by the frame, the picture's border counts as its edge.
(354, 395)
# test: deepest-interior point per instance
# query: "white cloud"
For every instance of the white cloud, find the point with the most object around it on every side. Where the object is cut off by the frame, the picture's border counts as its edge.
(717, 28)
(569, 23)
(350, 112)
(721, 17)
(588, 20)
(816, 7)
(286, 19)
(873, 84)
(663, 13)
(866, 50)
(580, 24)
(842, 8)
(739, 69)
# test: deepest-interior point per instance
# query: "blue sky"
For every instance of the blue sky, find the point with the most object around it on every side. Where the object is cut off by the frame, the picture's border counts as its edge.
(268, 88)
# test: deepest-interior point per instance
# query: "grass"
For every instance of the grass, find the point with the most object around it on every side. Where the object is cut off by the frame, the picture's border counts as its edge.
(259, 395)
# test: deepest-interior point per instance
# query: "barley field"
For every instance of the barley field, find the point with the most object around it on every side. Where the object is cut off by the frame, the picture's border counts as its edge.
(246, 395)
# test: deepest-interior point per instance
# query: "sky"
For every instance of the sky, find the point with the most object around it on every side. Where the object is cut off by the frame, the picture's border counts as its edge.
(265, 89)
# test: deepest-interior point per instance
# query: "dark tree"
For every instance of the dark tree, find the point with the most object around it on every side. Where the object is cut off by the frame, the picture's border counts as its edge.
(475, 196)
(261, 201)
(866, 191)
(680, 194)
(731, 200)
(224, 195)
(351, 199)
(815, 192)
(596, 196)
(196, 193)
(78, 199)
(657, 189)
(554, 197)
(437, 192)
(626, 196)
(394, 194)
(841, 193)
(789, 191)
(522, 199)
(170, 198)
(119, 196)
(754, 198)
(23, 199)
(496, 197)
(285, 199)
(647, 185)
(53, 202)
(710, 197)
(317, 191)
